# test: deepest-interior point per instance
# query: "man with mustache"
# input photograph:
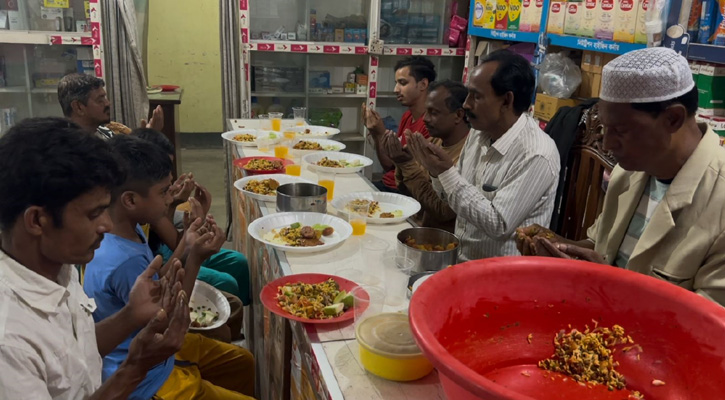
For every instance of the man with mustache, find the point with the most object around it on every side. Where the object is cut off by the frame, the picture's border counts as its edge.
(663, 211)
(412, 77)
(56, 183)
(446, 121)
(84, 101)
(507, 173)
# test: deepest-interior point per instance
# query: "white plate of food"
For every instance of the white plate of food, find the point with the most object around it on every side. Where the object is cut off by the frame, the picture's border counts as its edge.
(263, 187)
(308, 146)
(313, 131)
(337, 162)
(385, 208)
(248, 137)
(208, 308)
(287, 231)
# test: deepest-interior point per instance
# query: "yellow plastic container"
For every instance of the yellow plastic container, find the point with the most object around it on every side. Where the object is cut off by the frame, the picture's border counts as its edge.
(388, 349)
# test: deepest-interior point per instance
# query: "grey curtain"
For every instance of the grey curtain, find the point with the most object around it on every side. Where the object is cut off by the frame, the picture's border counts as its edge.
(231, 51)
(125, 79)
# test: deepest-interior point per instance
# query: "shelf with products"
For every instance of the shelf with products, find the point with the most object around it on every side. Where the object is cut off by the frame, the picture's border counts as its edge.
(570, 25)
(427, 23)
(39, 46)
(43, 17)
(323, 21)
(327, 84)
(684, 36)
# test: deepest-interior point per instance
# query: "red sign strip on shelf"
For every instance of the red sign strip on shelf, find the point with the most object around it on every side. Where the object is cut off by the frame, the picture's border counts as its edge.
(307, 48)
(96, 38)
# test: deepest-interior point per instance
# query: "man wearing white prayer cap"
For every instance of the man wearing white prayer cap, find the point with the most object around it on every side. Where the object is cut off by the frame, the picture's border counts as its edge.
(664, 211)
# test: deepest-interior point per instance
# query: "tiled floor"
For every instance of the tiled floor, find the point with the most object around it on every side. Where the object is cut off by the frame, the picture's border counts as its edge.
(208, 168)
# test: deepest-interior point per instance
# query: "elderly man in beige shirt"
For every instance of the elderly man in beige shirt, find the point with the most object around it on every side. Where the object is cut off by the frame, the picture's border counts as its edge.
(56, 183)
(663, 211)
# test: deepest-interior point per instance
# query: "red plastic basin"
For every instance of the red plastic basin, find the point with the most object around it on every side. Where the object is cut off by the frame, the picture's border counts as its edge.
(472, 321)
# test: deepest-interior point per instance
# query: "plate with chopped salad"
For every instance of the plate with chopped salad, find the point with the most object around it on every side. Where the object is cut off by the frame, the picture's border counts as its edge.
(264, 188)
(310, 298)
(248, 137)
(300, 232)
(337, 162)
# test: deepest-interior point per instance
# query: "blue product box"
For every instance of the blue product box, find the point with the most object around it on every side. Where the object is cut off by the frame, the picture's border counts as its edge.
(320, 79)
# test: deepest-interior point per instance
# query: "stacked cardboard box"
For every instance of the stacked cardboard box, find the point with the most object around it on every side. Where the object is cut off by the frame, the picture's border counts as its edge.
(591, 66)
(546, 106)
(710, 81)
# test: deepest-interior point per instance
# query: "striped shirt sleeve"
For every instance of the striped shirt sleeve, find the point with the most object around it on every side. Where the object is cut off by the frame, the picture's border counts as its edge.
(514, 199)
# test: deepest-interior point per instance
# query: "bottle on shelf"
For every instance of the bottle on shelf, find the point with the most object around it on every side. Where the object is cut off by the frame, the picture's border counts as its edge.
(256, 108)
(313, 24)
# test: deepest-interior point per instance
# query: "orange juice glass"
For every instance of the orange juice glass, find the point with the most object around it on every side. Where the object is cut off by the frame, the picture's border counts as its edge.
(289, 135)
(358, 226)
(276, 119)
(264, 144)
(293, 169)
(357, 217)
(328, 184)
(299, 123)
(281, 151)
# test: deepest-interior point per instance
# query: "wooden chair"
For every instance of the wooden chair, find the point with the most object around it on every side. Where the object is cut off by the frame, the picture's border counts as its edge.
(584, 192)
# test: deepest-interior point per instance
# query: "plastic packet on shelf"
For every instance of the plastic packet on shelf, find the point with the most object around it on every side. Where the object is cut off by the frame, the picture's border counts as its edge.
(559, 76)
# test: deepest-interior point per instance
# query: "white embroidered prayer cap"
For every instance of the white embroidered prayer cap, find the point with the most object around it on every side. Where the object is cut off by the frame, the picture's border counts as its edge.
(644, 76)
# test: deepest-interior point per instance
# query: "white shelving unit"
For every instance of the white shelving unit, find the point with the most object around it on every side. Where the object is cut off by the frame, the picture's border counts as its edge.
(27, 52)
(338, 58)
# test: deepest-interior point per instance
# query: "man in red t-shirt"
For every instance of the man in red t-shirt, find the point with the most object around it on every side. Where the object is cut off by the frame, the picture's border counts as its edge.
(412, 77)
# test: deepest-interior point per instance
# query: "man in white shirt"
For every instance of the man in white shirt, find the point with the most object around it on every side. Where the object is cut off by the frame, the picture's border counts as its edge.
(507, 173)
(55, 182)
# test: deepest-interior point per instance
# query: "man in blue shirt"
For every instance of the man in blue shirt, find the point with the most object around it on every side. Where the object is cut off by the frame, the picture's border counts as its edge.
(56, 183)
(144, 198)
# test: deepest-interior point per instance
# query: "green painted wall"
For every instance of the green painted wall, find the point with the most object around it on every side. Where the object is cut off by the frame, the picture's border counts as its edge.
(183, 49)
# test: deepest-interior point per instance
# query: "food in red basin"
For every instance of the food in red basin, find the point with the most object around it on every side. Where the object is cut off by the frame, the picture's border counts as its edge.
(499, 317)
(168, 88)
(243, 163)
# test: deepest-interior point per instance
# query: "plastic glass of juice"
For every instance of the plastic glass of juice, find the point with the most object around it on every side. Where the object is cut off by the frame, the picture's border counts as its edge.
(327, 180)
(357, 216)
(289, 135)
(276, 119)
(264, 144)
(281, 151)
(397, 271)
(296, 168)
(300, 115)
(265, 124)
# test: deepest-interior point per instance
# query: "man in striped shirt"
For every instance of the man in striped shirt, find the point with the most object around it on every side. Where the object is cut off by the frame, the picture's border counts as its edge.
(663, 211)
(507, 173)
